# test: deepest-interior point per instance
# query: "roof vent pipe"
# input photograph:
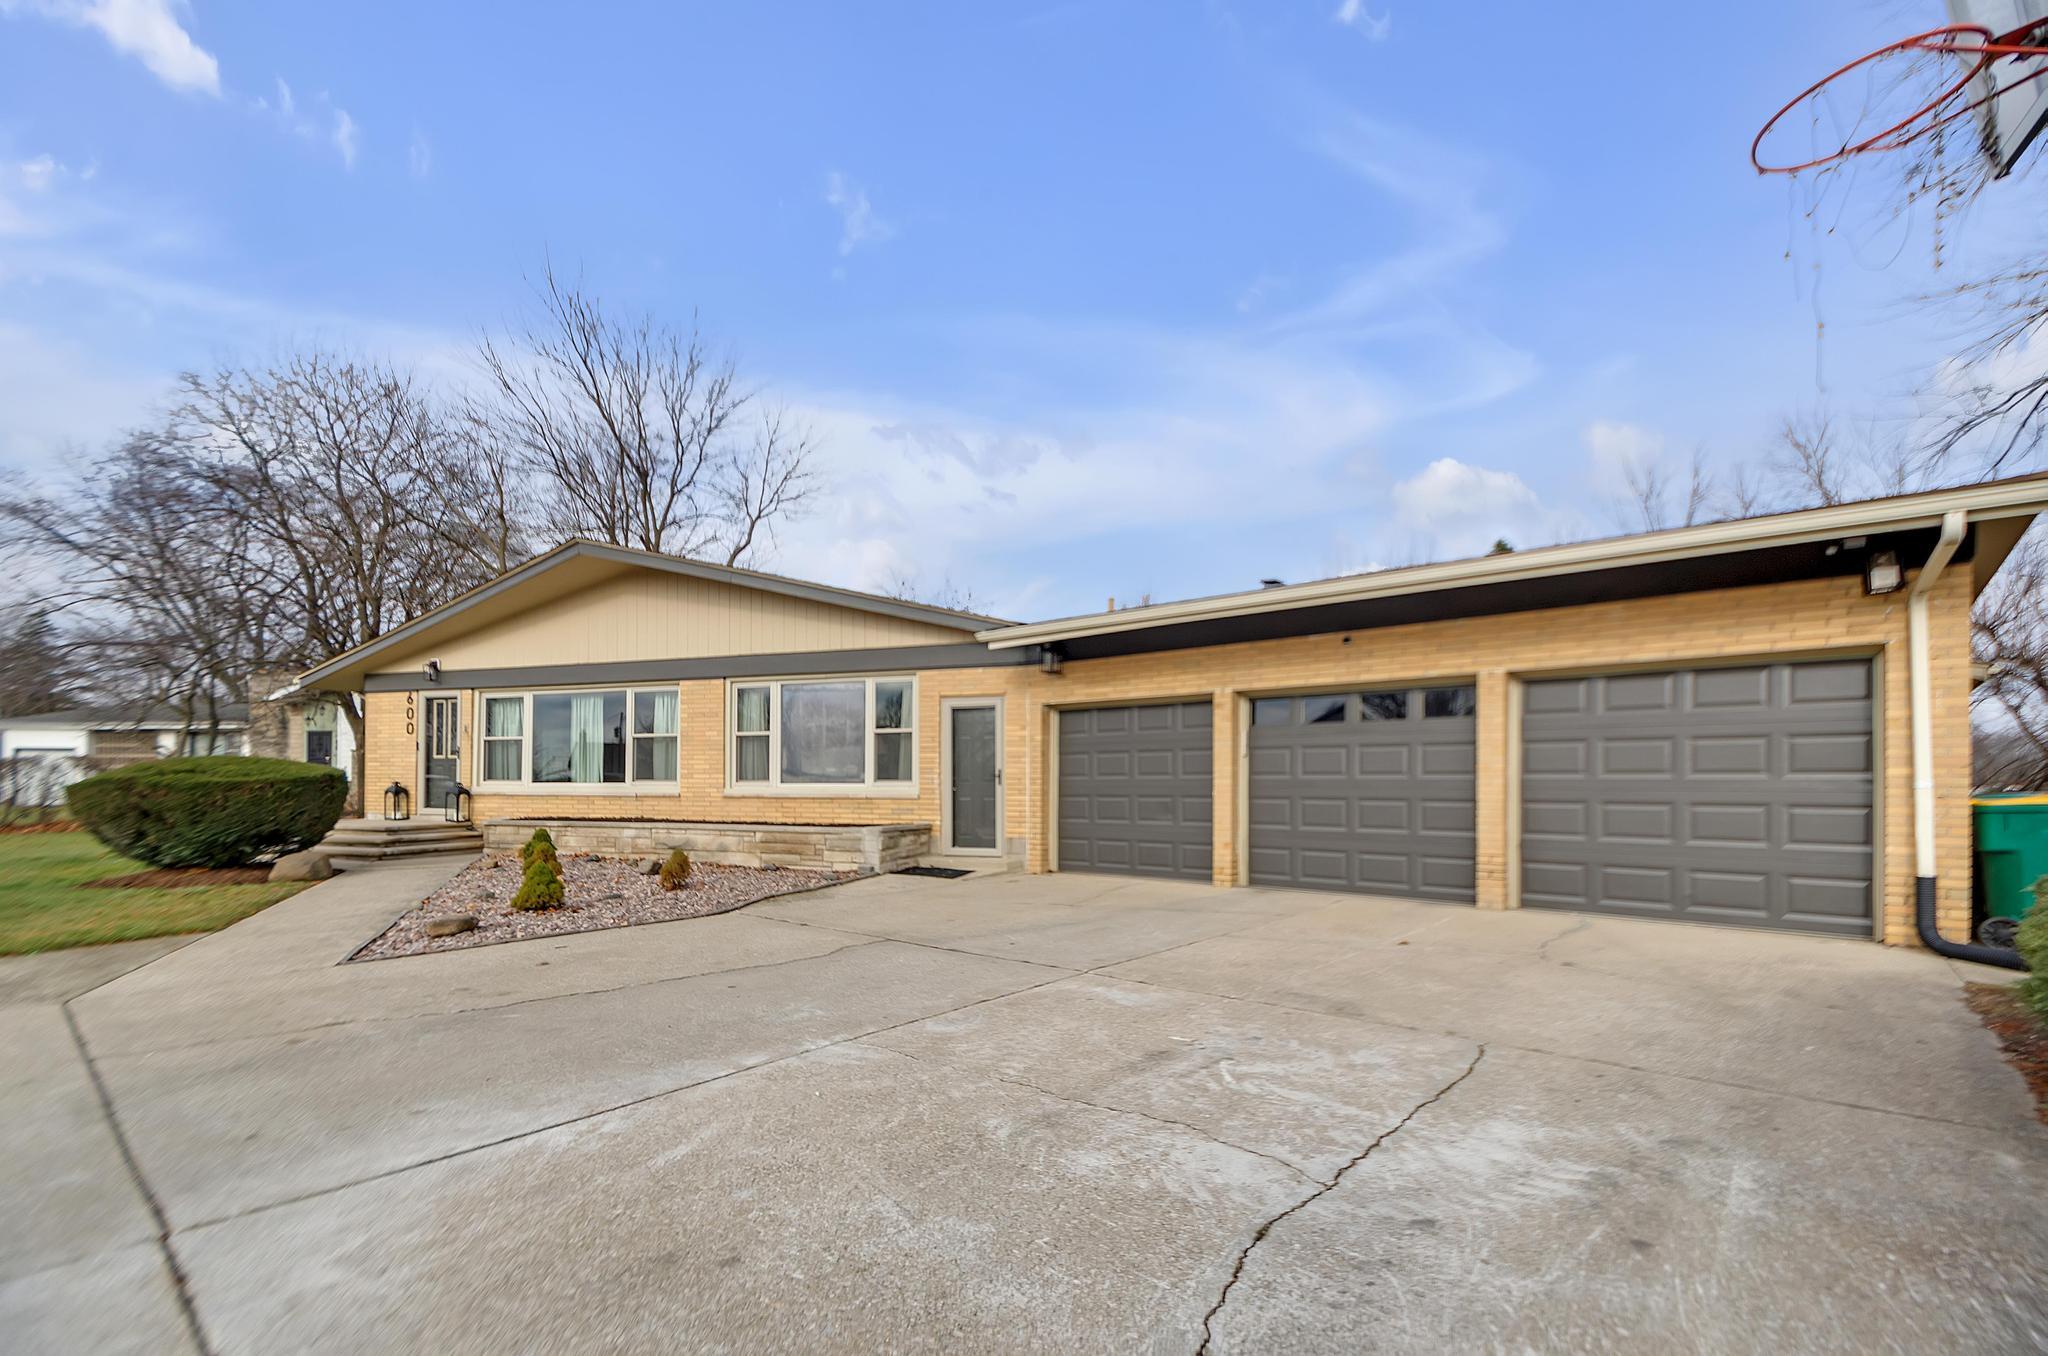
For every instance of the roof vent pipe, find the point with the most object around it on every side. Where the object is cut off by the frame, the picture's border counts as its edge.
(1272, 583)
(1919, 667)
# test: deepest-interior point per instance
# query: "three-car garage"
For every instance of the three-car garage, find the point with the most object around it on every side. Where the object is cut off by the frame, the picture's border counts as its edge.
(1763, 723)
(1739, 795)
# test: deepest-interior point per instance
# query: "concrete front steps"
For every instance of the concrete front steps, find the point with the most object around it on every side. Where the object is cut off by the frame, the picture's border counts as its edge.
(364, 842)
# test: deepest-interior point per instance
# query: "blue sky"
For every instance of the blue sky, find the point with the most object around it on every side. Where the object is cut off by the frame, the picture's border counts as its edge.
(1082, 299)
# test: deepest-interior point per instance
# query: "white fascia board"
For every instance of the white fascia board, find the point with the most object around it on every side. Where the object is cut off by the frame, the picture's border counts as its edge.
(1997, 500)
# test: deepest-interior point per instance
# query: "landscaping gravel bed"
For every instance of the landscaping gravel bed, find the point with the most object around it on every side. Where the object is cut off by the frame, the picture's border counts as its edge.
(602, 892)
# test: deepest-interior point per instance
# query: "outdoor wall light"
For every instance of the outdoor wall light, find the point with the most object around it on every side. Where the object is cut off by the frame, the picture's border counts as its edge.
(1049, 660)
(432, 670)
(1881, 574)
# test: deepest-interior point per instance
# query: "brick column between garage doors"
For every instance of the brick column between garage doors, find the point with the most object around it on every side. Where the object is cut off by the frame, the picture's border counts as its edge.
(1494, 763)
(1226, 777)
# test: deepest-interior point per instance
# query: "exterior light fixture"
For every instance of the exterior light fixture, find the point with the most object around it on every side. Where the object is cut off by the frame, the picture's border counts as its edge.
(397, 801)
(432, 670)
(1050, 659)
(1881, 573)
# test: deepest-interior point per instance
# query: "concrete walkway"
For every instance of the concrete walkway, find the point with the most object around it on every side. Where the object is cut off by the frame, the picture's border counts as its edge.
(1014, 1113)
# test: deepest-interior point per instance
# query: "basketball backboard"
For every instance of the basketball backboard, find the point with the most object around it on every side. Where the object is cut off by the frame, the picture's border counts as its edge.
(2009, 123)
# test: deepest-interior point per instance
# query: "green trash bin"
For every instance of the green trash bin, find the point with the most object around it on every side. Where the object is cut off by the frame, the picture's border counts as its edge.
(2012, 853)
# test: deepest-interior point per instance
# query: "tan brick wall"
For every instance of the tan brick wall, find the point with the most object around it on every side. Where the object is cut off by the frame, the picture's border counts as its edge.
(392, 754)
(1781, 620)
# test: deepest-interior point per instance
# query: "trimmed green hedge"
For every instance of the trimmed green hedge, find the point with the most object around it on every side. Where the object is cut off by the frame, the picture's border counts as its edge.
(210, 811)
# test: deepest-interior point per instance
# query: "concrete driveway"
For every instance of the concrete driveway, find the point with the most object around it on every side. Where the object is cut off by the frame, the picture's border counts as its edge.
(1013, 1113)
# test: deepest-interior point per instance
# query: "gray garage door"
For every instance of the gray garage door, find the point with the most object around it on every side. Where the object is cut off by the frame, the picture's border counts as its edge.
(1135, 790)
(1366, 791)
(1739, 795)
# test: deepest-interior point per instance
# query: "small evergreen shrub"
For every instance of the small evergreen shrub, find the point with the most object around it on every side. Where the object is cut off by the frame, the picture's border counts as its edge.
(542, 841)
(210, 811)
(675, 870)
(541, 887)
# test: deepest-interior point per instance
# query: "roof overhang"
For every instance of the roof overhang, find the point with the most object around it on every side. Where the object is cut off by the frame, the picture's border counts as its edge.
(1713, 555)
(578, 564)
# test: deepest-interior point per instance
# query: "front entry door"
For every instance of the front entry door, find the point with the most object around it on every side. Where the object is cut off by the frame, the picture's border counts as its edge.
(974, 795)
(441, 743)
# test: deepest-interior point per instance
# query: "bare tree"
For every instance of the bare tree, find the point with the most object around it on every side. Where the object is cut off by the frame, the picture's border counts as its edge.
(1741, 493)
(363, 505)
(1644, 487)
(1655, 496)
(636, 433)
(36, 670)
(1809, 461)
(2011, 639)
(1996, 390)
(944, 594)
(165, 597)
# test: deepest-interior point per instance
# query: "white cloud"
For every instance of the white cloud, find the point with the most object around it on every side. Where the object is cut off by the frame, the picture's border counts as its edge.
(419, 156)
(344, 137)
(147, 30)
(1438, 185)
(37, 174)
(38, 201)
(324, 122)
(1259, 291)
(858, 222)
(1137, 433)
(1450, 509)
(1353, 14)
(1618, 448)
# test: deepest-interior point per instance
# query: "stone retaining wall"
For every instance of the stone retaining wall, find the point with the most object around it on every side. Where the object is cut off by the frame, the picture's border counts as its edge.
(836, 847)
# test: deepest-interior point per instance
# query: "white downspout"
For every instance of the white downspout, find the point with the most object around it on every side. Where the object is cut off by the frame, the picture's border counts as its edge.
(1920, 676)
(1920, 668)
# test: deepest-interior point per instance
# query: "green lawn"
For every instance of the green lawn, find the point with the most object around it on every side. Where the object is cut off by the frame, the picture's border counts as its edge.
(45, 903)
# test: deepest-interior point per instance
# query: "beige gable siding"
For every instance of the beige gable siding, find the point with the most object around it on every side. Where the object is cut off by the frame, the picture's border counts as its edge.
(648, 614)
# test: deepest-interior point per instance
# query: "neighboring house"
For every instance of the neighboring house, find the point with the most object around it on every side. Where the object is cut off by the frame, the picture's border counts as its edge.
(1762, 722)
(41, 755)
(304, 727)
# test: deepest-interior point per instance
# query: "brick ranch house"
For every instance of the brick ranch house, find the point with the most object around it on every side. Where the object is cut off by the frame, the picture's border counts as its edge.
(1761, 723)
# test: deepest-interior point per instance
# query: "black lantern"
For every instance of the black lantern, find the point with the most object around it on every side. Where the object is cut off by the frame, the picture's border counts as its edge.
(397, 802)
(456, 804)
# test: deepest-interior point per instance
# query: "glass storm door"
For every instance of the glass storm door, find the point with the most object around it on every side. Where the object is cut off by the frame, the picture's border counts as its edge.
(976, 777)
(440, 742)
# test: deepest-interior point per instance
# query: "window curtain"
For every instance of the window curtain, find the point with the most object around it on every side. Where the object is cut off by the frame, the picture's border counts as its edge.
(655, 756)
(586, 737)
(502, 716)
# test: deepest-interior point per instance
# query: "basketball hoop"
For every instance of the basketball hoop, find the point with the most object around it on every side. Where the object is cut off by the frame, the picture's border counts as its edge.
(1911, 90)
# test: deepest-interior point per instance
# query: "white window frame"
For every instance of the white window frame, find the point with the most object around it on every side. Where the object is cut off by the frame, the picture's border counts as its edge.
(526, 786)
(867, 788)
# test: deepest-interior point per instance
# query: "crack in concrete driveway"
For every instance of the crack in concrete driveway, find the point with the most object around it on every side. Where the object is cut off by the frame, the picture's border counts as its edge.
(1259, 1235)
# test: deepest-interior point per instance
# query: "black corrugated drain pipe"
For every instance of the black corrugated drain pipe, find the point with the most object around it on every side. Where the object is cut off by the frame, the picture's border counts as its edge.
(1931, 938)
